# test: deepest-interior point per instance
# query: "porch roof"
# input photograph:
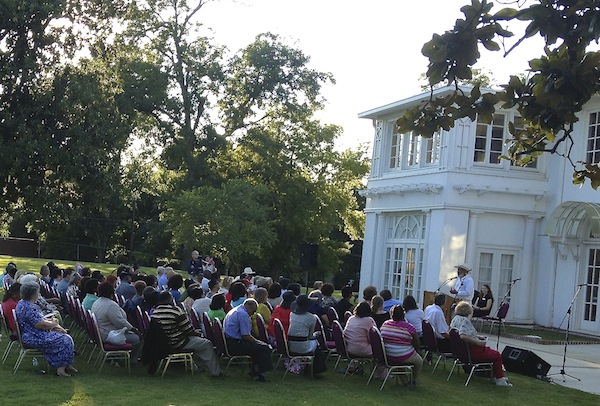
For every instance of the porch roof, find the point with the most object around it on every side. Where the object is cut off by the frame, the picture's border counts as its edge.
(574, 220)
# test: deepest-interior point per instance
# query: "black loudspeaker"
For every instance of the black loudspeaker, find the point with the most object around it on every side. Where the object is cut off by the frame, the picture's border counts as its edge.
(524, 362)
(308, 255)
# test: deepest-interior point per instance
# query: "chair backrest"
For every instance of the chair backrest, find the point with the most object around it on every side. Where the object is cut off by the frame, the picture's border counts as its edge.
(270, 306)
(429, 336)
(194, 318)
(460, 349)
(320, 337)
(143, 320)
(347, 315)
(262, 328)
(503, 310)
(282, 345)
(219, 338)
(332, 315)
(93, 329)
(377, 346)
(14, 312)
(338, 337)
(208, 328)
(120, 299)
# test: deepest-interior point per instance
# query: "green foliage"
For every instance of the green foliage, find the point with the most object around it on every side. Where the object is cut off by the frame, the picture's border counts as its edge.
(232, 221)
(157, 119)
(559, 84)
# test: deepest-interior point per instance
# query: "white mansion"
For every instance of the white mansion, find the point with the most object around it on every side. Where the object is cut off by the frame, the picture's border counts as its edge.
(433, 203)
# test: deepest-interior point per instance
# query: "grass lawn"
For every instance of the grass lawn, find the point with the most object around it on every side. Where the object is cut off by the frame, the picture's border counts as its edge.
(34, 264)
(548, 334)
(113, 386)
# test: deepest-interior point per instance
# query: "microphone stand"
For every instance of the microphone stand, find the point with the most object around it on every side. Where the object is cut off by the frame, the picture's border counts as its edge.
(568, 317)
(501, 303)
(444, 284)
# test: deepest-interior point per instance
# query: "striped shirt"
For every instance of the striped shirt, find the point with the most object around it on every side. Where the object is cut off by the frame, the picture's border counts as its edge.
(175, 324)
(397, 338)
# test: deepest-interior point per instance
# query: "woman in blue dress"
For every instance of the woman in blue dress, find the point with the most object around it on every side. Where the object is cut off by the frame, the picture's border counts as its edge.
(44, 334)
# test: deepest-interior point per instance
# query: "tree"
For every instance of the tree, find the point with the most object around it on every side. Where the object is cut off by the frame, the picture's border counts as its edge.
(60, 131)
(480, 77)
(232, 221)
(167, 33)
(560, 82)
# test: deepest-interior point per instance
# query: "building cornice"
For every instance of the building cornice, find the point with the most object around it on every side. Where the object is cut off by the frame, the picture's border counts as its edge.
(480, 190)
(426, 188)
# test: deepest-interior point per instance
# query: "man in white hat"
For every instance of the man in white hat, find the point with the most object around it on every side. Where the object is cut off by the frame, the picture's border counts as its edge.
(464, 288)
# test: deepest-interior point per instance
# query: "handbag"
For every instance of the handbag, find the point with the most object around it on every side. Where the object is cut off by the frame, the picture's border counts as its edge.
(117, 337)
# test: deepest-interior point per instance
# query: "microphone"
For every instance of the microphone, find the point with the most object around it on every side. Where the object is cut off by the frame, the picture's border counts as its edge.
(451, 279)
(582, 284)
(518, 279)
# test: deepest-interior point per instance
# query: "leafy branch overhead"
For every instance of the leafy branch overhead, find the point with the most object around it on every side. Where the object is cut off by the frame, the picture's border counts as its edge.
(560, 81)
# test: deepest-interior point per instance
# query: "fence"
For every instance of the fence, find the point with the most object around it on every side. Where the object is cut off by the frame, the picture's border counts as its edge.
(29, 247)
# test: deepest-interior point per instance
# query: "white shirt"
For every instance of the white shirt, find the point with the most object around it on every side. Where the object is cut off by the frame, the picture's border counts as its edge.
(465, 287)
(435, 315)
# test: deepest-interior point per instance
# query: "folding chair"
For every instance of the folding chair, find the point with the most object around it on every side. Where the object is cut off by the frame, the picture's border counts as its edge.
(462, 357)
(207, 328)
(432, 347)
(284, 351)
(13, 338)
(342, 351)
(194, 318)
(109, 351)
(499, 318)
(381, 361)
(222, 348)
(24, 350)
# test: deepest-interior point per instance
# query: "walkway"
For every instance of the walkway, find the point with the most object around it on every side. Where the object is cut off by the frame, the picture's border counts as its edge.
(583, 362)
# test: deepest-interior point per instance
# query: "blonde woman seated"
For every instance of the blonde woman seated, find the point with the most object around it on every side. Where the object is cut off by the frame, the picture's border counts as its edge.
(477, 347)
(401, 342)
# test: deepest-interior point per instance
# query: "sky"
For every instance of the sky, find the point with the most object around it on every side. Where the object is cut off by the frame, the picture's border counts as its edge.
(372, 48)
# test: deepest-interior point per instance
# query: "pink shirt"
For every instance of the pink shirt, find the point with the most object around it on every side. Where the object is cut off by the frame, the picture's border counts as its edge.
(356, 334)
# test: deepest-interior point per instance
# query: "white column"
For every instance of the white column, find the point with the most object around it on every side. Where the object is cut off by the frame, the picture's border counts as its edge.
(373, 250)
(470, 258)
(522, 293)
(379, 256)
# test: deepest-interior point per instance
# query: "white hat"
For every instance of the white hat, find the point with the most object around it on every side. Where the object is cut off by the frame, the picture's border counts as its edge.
(249, 271)
(464, 267)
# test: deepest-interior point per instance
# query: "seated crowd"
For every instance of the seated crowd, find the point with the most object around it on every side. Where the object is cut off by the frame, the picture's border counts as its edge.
(238, 304)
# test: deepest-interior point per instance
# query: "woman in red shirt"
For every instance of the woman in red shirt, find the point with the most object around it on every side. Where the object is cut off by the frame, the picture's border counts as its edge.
(11, 298)
(282, 312)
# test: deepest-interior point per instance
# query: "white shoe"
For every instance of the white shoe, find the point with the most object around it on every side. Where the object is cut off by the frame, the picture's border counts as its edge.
(503, 382)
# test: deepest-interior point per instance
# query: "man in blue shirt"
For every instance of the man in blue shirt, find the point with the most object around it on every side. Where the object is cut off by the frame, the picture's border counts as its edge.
(194, 266)
(237, 327)
(388, 301)
(125, 289)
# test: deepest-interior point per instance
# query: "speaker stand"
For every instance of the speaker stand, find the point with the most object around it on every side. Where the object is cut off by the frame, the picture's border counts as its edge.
(568, 317)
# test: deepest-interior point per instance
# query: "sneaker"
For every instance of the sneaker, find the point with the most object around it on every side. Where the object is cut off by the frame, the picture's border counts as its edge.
(503, 382)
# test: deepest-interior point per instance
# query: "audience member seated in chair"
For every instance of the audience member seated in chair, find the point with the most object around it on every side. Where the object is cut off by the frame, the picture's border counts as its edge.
(282, 312)
(302, 337)
(261, 296)
(238, 333)
(9, 303)
(478, 350)
(182, 336)
(111, 317)
(377, 312)
(357, 329)
(413, 314)
(44, 334)
(435, 315)
(402, 342)
(484, 302)
(344, 305)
